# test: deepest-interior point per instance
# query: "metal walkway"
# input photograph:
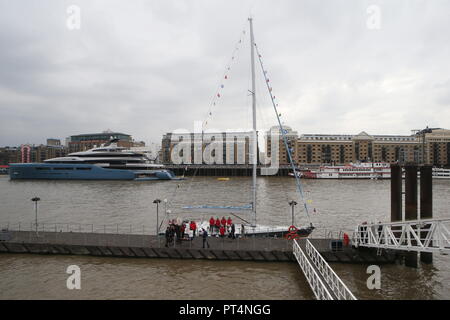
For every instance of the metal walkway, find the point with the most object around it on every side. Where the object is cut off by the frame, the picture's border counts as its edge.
(324, 282)
(415, 235)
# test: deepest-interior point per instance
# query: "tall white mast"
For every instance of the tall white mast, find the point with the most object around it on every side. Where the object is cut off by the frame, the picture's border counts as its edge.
(255, 139)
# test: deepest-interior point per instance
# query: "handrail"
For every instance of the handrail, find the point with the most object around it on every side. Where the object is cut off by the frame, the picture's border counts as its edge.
(426, 235)
(341, 291)
(78, 227)
(318, 287)
(410, 222)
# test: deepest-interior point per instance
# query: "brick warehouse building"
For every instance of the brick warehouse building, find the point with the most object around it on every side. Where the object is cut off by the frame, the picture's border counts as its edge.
(30, 153)
(84, 142)
(317, 149)
(53, 149)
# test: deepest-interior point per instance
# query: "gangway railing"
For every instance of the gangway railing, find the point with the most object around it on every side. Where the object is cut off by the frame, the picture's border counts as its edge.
(318, 287)
(416, 235)
(340, 290)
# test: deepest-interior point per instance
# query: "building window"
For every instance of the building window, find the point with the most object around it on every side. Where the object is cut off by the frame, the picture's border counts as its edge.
(308, 153)
(326, 154)
(341, 154)
(436, 155)
(384, 154)
(357, 151)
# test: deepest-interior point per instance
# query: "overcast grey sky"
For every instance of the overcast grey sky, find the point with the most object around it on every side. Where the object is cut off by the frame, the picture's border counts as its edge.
(150, 67)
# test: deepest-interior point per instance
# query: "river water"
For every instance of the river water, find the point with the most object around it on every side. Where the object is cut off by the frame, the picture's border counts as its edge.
(334, 205)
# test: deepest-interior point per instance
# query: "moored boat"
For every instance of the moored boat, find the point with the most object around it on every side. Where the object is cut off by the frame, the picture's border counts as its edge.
(108, 162)
(364, 170)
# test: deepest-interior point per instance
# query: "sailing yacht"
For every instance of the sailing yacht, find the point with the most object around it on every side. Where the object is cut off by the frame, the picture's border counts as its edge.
(251, 227)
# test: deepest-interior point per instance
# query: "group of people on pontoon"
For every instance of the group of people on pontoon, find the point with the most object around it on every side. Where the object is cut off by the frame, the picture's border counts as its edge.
(187, 230)
(224, 227)
(177, 231)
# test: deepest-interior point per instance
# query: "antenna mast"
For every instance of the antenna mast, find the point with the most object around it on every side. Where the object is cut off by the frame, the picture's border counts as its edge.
(255, 139)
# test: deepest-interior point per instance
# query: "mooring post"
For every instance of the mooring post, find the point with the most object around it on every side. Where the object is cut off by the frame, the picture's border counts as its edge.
(426, 205)
(411, 258)
(396, 193)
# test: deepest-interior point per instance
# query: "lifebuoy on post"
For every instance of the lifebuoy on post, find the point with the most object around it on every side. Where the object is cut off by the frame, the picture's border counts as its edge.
(292, 233)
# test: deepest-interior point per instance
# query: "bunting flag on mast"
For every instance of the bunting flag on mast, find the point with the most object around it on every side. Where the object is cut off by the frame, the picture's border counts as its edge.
(221, 86)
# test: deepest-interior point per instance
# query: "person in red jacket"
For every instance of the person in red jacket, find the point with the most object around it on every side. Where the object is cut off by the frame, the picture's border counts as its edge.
(229, 221)
(222, 231)
(346, 240)
(193, 227)
(217, 225)
(223, 221)
(212, 222)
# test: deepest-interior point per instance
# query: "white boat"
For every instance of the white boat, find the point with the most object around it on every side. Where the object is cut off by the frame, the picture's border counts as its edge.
(363, 170)
(441, 173)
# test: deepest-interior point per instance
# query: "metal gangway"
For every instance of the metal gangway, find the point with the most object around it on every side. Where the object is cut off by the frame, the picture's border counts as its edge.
(416, 235)
(324, 282)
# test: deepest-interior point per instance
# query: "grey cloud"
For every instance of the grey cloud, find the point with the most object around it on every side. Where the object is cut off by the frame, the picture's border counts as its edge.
(150, 67)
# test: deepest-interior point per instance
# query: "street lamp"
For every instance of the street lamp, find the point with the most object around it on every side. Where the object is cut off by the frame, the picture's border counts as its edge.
(157, 201)
(292, 203)
(35, 200)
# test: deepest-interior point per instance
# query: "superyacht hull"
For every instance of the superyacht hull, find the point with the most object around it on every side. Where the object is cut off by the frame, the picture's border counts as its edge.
(60, 171)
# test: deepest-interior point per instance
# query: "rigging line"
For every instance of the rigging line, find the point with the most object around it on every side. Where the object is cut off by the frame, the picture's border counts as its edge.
(265, 122)
(297, 179)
